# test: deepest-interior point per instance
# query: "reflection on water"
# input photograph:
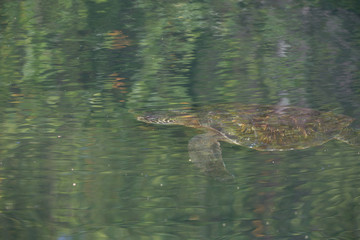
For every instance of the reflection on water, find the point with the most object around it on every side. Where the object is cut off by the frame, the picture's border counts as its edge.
(76, 164)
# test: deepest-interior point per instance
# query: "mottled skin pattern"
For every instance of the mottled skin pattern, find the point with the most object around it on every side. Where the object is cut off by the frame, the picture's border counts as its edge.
(264, 128)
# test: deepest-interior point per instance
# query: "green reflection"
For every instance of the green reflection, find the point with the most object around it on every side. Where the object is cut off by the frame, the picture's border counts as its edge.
(75, 164)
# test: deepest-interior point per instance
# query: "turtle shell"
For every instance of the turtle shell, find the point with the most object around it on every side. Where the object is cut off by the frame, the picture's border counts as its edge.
(272, 128)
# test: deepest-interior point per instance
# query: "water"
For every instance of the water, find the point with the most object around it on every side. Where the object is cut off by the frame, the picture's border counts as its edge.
(76, 164)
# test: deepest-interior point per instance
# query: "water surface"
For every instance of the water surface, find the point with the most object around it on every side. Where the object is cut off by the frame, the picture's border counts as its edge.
(76, 164)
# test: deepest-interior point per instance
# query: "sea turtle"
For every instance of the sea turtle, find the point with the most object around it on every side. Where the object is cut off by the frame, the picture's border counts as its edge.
(263, 128)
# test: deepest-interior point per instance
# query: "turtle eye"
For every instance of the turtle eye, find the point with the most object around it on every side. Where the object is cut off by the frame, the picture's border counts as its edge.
(168, 120)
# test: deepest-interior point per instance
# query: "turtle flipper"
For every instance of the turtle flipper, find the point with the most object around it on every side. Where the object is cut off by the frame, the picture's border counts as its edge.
(350, 136)
(205, 152)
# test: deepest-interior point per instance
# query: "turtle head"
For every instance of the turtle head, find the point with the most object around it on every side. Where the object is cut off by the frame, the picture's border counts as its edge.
(156, 118)
(167, 118)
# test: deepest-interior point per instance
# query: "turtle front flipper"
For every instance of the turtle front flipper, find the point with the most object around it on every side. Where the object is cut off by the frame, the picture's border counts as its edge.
(205, 152)
(349, 136)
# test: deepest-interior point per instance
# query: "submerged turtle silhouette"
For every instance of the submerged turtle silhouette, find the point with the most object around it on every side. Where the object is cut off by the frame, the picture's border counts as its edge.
(263, 128)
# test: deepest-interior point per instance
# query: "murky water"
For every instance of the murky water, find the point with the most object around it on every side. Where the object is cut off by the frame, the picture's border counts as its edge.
(76, 164)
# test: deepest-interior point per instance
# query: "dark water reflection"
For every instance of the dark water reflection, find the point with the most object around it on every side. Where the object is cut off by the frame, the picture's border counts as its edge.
(75, 163)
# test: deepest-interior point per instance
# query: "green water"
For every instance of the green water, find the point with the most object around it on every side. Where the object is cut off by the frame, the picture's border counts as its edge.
(75, 163)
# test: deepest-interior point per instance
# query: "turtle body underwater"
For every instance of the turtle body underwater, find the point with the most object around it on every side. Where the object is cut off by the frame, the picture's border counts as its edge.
(263, 128)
